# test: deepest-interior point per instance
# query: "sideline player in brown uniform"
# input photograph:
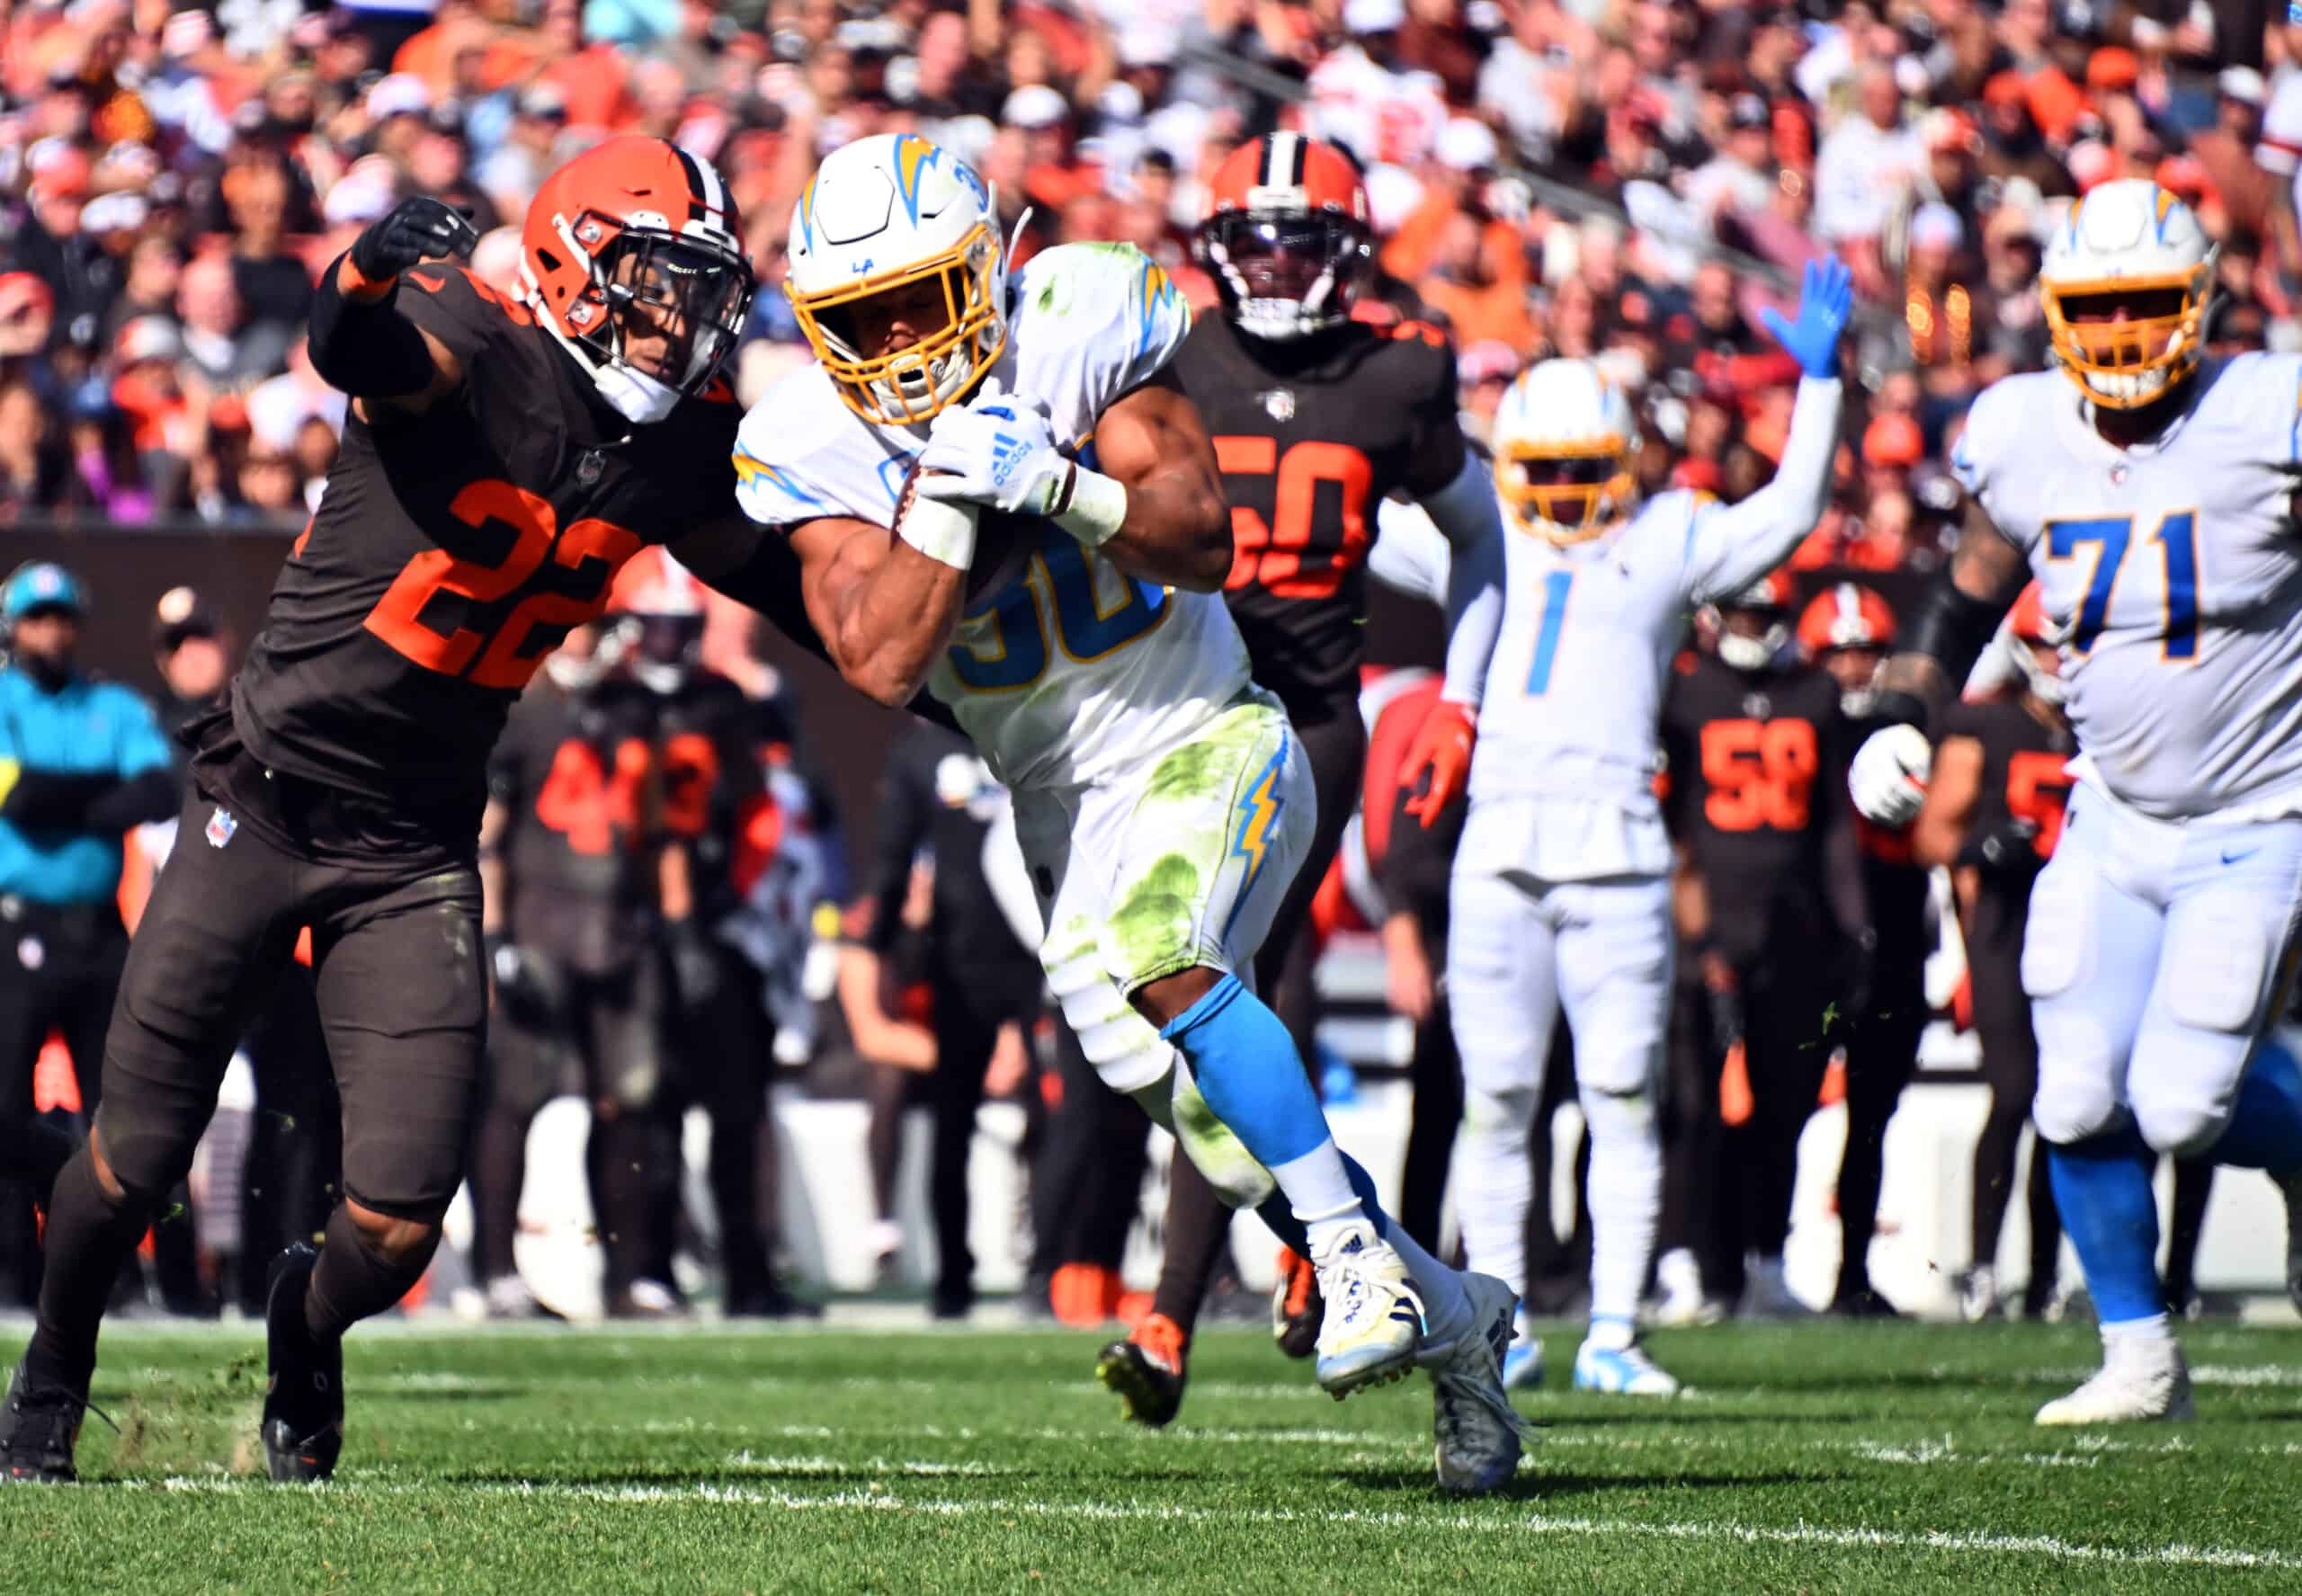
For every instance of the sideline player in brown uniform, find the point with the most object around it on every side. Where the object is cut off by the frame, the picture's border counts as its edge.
(570, 860)
(1993, 815)
(1847, 629)
(1315, 416)
(1756, 759)
(502, 458)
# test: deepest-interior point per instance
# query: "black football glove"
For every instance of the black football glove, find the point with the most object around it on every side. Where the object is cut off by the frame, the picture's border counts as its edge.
(522, 986)
(419, 229)
(2009, 849)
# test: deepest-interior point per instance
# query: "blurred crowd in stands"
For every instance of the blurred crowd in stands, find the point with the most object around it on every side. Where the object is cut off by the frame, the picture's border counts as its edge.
(1629, 180)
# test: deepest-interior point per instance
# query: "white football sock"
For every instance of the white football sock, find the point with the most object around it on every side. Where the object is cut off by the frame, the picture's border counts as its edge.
(1318, 1193)
(1446, 1306)
(2157, 1327)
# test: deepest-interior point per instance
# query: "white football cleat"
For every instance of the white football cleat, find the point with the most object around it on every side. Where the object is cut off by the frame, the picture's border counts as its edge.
(2142, 1378)
(1979, 1296)
(1478, 1435)
(1683, 1302)
(1374, 1315)
(1621, 1371)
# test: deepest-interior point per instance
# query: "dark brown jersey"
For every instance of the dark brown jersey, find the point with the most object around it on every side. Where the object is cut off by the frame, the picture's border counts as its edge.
(2024, 777)
(714, 747)
(1309, 437)
(584, 800)
(1895, 887)
(453, 550)
(1756, 781)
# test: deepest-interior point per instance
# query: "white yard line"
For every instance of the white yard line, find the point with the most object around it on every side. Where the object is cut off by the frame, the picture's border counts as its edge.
(877, 1499)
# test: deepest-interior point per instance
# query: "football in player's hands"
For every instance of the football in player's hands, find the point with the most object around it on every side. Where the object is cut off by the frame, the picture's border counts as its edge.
(1890, 774)
(1003, 543)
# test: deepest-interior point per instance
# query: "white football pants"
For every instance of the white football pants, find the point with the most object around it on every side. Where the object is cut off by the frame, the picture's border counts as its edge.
(2156, 955)
(1517, 950)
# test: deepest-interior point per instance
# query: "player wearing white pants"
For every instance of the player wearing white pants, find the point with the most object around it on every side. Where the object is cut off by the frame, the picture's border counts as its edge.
(2163, 945)
(1561, 896)
(1161, 799)
(1519, 951)
(2155, 506)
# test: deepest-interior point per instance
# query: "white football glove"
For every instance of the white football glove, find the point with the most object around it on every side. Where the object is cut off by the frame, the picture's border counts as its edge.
(1890, 774)
(997, 450)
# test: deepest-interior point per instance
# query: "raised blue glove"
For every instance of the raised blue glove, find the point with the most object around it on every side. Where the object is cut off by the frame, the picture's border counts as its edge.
(1825, 300)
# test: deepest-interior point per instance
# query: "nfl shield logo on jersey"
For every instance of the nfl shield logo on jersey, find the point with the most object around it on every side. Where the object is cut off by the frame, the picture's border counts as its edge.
(1281, 403)
(220, 828)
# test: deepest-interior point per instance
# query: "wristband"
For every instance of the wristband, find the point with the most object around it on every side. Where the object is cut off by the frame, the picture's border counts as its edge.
(1094, 508)
(361, 288)
(1896, 708)
(940, 529)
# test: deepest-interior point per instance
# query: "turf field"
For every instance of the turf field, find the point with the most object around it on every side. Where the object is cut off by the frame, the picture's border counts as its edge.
(1809, 1457)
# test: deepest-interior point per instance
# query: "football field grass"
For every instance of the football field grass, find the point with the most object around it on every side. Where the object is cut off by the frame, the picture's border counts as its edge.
(1810, 1457)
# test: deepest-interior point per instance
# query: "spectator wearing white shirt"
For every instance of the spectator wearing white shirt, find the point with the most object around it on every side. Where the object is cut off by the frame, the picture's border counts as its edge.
(1862, 171)
(1739, 180)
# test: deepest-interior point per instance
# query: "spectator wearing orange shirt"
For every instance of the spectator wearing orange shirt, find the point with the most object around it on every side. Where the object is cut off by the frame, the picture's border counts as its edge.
(590, 78)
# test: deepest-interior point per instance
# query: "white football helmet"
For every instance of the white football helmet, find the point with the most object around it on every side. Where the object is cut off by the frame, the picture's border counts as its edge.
(880, 215)
(2127, 284)
(1563, 441)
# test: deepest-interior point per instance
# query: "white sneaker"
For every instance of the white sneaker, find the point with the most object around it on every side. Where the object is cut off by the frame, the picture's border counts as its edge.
(1766, 1294)
(2142, 1378)
(1374, 1316)
(508, 1298)
(1978, 1298)
(1621, 1371)
(1683, 1303)
(1478, 1435)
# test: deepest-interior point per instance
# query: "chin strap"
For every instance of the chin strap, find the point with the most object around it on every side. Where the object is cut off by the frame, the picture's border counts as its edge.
(636, 397)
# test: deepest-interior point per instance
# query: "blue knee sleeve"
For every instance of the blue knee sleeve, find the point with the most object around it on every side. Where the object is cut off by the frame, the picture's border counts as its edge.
(2266, 1123)
(1247, 1069)
(1275, 1213)
(2108, 1212)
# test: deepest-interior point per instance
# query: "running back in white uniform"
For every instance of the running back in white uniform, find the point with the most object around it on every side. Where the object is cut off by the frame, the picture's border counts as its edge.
(2176, 568)
(1161, 799)
(2159, 931)
(1045, 674)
